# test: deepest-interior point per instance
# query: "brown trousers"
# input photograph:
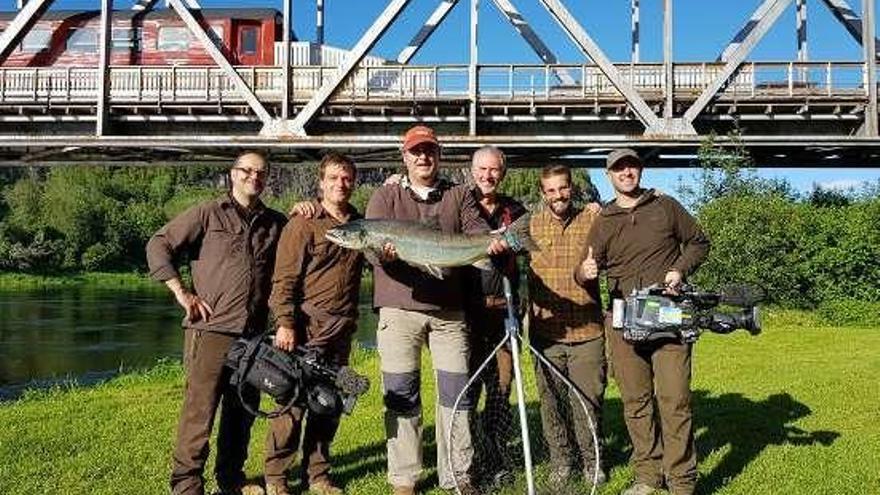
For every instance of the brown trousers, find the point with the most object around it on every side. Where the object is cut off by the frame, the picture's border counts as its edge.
(487, 330)
(207, 384)
(282, 444)
(333, 337)
(654, 383)
(562, 413)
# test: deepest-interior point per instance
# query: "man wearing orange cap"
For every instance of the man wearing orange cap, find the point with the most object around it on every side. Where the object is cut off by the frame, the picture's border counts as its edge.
(415, 309)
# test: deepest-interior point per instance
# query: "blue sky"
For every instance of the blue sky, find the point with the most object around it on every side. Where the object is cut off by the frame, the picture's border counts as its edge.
(702, 29)
(802, 179)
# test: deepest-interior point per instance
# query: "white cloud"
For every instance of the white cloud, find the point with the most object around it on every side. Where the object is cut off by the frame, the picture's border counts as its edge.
(841, 184)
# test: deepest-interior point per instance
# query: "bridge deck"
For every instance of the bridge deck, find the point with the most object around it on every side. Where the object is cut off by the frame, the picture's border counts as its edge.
(765, 88)
(787, 113)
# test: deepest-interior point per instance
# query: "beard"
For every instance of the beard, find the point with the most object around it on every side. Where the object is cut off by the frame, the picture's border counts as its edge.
(559, 207)
(487, 189)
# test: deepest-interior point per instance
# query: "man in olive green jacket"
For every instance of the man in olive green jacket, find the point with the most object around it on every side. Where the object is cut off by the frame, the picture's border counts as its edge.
(644, 237)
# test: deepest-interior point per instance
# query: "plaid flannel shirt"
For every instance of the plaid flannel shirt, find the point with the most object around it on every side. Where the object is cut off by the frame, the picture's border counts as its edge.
(559, 309)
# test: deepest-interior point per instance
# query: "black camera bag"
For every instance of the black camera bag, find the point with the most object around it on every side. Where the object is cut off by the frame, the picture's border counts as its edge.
(255, 361)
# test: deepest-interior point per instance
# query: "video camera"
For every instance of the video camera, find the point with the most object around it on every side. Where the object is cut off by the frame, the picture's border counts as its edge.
(300, 378)
(652, 314)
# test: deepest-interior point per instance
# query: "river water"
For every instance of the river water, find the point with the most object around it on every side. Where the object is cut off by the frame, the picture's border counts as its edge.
(47, 337)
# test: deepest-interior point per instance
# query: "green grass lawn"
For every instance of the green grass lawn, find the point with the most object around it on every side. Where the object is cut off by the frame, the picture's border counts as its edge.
(794, 411)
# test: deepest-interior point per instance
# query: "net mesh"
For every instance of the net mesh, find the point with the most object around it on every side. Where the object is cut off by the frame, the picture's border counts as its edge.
(499, 465)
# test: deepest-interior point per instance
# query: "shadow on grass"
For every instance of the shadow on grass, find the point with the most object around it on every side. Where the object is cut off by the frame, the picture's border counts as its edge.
(747, 427)
(359, 463)
(741, 426)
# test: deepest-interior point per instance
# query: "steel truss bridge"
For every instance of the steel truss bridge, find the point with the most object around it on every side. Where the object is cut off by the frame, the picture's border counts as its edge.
(788, 112)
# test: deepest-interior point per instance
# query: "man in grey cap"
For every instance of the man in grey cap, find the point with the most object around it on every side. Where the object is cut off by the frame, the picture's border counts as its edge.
(644, 237)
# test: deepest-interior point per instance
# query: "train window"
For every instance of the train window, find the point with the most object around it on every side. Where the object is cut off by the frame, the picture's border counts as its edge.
(172, 39)
(125, 39)
(84, 40)
(248, 45)
(36, 39)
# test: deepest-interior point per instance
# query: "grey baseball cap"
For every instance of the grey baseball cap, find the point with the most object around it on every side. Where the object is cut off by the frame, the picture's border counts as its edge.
(622, 154)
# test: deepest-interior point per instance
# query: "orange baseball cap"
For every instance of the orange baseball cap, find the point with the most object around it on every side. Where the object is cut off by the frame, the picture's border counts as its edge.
(417, 135)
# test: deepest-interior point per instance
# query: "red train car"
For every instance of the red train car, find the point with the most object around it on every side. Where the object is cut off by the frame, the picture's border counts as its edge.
(159, 37)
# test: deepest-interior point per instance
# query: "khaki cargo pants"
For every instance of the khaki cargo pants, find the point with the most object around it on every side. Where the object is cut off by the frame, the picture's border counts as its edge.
(400, 338)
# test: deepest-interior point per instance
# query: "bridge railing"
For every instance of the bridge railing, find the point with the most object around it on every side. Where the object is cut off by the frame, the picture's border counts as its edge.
(388, 83)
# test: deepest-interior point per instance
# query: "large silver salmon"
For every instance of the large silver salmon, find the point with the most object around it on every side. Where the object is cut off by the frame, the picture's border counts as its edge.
(426, 247)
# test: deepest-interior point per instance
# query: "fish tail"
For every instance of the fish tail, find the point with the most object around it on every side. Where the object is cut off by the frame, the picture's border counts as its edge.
(518, 235)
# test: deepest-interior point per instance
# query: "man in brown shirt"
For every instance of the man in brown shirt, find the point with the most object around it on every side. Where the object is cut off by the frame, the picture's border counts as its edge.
(643, 238)
(565, 326)
(486, 307)
(231, 247)
(314, 301)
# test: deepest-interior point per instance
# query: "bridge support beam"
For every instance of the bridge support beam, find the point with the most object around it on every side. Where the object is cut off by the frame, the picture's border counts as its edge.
(801, 20)
(286, 22)
(305, 116)
(771, 10)
(426, 31)
(577, 33)
(870, 51)
(848, 18)
(513, 16)
(635, 28)
(240, 85)
(19, 26)
(535, 42)
(102, 127)
(744, 32)
(669, 69)
(473, 75)
(319, 23)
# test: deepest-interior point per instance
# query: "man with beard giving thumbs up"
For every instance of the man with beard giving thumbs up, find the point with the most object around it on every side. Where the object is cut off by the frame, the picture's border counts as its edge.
(565, 326)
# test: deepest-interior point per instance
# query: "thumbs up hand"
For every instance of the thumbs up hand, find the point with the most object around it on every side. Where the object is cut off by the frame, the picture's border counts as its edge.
(589, 269)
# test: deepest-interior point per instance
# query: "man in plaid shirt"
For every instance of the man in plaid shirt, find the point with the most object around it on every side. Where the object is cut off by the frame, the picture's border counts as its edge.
(566, 327)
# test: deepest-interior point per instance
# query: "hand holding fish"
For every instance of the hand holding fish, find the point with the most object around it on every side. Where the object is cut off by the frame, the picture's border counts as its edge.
(388, 253)
(497, 246)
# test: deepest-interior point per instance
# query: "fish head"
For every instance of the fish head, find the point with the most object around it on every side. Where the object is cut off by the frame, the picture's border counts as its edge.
(352, 235)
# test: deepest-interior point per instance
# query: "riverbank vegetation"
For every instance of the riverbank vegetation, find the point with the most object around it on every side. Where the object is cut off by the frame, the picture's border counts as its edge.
(809, 251)
(87, 280)
(790, 411)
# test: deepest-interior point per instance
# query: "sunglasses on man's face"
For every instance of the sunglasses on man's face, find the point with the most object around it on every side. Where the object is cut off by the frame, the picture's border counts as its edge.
(423, 149)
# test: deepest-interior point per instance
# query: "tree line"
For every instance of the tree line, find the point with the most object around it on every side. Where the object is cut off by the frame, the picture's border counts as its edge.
(812, 250)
